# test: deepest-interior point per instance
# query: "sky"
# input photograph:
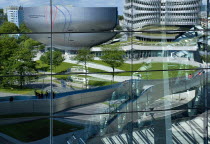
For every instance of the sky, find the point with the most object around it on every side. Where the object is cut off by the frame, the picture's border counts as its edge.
(76, 3)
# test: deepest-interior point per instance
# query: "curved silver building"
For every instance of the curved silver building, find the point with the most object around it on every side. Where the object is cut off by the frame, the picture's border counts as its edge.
(73, 41)
(72, 27)
(138, 13)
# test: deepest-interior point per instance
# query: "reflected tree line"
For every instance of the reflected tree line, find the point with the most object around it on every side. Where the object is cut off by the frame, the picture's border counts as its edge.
(16, 55)
(17, 52)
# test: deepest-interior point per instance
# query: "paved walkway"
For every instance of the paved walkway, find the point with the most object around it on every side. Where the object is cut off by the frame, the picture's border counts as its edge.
(116, 78)
(3, 94)
(5, 139)
(94, 65)
(189, 131)
(61, 139)
(38, 55)
(84, 114)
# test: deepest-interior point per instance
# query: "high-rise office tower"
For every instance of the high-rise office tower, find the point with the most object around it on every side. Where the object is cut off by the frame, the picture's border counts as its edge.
(15, 15)
(138, 13)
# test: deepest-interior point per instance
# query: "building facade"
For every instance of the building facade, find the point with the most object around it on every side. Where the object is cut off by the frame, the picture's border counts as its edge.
(89, 23)
(138, 13)
(159, 95)
(15, 15)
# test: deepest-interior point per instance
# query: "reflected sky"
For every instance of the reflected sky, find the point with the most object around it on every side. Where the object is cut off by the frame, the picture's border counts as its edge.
(76, 3)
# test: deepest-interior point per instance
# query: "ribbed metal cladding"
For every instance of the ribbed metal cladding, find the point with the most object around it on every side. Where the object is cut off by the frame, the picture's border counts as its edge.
(71, 19)
(164, 12)
(92, 25)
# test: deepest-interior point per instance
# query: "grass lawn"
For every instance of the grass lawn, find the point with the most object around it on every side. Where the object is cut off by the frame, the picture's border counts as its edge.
(92, 80)
(158, 34)
(40, 65)
(100, 62)
(125, 66)
(153, 66)
(133, 67)
(164, 74)
(64, 67)
(17, 90)
(37, 129)
(97, 81)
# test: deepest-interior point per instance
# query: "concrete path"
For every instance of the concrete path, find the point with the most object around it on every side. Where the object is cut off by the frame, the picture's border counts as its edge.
(94, 65)
(116, 78)
(38, 55)
(3, 94)
(5, 139)
(84, 114)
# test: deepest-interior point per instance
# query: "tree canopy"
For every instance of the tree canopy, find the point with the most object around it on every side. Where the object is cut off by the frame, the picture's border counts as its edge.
(57, 58)
(84, 55)
(15, 59)
(120, 17)
(113, 56)
(8, 27)
(24, 29)
(16, 56)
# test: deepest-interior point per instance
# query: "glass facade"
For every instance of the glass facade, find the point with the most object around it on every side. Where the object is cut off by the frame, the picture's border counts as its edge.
(98, 72)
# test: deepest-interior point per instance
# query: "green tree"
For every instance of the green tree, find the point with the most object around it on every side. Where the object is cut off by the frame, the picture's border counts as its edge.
(118, 27)
(45, 58)
(15, 59)
(8, 27)
(23, 64)
(113, 56)
(16, 56)
(84, 55)
(118, 36)
(7, 47)
(41, 47)
(24, 29)
(57, 58)
(120, 17)
(30, 43)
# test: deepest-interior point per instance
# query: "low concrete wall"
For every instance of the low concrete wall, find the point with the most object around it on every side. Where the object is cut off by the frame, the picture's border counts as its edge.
(81, 99)
(25, 106)
(59, 104)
